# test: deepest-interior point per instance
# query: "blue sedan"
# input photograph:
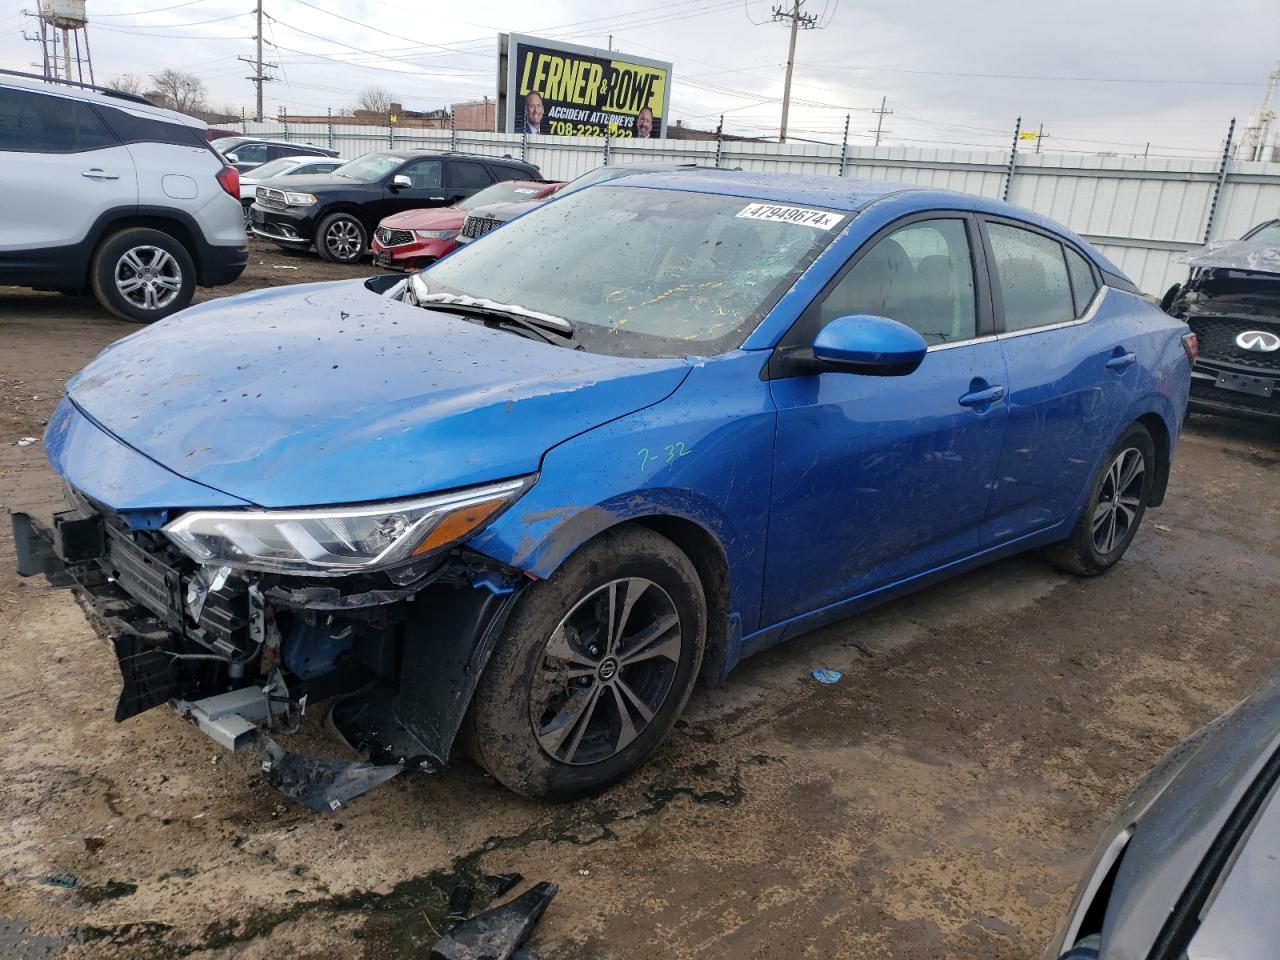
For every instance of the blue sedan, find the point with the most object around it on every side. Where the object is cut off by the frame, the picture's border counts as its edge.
(525, 499)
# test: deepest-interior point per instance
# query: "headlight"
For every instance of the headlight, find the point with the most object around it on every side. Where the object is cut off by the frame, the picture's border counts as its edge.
(434, 234)
(334, 541)
(299, 199)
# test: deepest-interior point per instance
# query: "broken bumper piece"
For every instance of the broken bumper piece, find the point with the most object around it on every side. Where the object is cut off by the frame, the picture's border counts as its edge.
(241, 656)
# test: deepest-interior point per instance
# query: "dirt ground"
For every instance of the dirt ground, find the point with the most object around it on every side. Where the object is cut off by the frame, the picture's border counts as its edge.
(939, 801)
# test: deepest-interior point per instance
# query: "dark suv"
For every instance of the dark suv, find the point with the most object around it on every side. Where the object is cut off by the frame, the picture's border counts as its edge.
(338, 211)
(249, 153)
(1231, 301)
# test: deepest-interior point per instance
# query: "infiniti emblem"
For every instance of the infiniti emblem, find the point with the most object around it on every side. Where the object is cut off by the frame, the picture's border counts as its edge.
(1259, 341)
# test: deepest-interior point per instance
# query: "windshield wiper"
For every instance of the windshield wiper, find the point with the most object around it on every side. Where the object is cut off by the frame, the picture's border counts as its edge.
(416, 292)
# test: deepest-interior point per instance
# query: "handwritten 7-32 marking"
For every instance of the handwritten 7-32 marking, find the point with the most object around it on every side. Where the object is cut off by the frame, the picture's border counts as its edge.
(673, 452)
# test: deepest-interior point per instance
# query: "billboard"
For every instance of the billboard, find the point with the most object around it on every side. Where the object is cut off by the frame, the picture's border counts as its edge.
(560, 89)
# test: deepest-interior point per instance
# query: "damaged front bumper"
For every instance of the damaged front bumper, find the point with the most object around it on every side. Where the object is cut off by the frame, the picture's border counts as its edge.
(243, 656)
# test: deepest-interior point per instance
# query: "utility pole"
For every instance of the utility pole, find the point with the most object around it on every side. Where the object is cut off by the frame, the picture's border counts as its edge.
(799, 21)
(881, 114)
(259, 78)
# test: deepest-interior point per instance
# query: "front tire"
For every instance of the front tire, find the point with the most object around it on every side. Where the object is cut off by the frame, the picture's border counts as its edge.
(341, 238)
(1117, 502)
(592, 669)
(143, 275)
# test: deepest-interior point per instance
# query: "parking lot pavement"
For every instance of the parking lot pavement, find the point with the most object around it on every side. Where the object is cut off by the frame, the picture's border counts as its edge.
(940, 800)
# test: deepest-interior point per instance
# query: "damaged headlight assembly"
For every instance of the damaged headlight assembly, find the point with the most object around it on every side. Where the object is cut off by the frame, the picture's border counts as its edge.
(338, 541)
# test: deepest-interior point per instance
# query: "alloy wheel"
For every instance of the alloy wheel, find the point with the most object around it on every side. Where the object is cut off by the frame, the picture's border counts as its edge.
(1118, 500)
(343, 239)
(148, 277)
(606, 671)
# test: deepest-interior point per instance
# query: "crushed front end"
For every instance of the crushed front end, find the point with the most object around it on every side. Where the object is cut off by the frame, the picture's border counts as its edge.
(246, 654)
(1232, 304)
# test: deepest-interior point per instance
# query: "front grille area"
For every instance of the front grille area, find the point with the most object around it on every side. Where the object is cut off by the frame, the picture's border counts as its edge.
(267, 197)
(1207, 391)
(478, 226)
(393, 238)
(155, 576)
(1217, 336)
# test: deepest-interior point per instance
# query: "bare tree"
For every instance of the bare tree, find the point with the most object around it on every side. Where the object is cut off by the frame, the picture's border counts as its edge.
(177, 90)
(375, 100)
(126, 83)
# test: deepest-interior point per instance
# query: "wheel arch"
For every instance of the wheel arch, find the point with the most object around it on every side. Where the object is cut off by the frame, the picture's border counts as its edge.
(180, 227)
(351, 207)
(1162, 440)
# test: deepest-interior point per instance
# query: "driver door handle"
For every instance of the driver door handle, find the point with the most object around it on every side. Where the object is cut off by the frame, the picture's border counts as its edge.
(97, 173)
(979, 397)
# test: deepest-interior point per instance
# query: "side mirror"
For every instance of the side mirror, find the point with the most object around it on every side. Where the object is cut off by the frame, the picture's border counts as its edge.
(401, 182)
(874, 346)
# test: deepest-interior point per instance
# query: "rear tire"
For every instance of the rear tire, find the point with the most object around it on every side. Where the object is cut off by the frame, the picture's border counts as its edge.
(143, 275)
(1116, 504)
(547, 717)
(341, 238)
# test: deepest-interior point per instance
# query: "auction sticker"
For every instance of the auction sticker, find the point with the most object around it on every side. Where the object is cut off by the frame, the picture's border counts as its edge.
(818, 219)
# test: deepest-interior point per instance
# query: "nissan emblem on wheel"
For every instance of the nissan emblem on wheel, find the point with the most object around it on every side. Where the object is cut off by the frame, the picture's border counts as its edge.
(524, 511)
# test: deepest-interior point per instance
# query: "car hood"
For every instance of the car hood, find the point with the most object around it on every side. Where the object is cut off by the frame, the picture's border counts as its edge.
(506, 211)
(433, 218)
(311, 182)
(329, 393)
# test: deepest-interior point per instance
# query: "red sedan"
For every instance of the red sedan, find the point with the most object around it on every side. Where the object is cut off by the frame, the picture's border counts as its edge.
(415, 238)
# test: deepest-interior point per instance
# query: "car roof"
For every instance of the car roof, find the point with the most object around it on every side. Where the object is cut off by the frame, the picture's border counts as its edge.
(843, 193)
(121, 101)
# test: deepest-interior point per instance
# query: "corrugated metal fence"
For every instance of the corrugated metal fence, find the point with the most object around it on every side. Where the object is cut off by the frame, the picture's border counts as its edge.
(1142, 212)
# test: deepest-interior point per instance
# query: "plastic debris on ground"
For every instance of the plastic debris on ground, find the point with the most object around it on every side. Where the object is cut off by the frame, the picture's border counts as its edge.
(28, 441)
(499, 933)
(823, 675)
(320, 783)
(66, 880)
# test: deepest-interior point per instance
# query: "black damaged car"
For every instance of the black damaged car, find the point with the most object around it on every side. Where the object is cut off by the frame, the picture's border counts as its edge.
(1231, 301)
(338, 211)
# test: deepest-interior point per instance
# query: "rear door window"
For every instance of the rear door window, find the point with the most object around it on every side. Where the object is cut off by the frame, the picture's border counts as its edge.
(35, 123)
(423, 174)
(1031, 273)
(468, 175)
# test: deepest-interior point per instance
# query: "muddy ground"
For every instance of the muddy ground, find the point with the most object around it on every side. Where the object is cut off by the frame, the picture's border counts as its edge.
(939, 801)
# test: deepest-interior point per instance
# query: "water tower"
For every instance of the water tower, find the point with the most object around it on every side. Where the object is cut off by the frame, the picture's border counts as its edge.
(65, 20)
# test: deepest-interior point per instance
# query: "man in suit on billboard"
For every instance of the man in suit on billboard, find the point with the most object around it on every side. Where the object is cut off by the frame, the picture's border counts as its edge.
(533, 112)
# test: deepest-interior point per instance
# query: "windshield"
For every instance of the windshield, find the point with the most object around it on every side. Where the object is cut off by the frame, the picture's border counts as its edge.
(507, 192)
(223, 144)
(642, 272)
(1268, 234)
(370, 167)
(274, 168)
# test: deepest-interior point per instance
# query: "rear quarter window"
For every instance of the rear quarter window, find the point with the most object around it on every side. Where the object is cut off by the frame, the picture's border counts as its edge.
(135, 128)
(32, 122)
(1032, 274)
(1084, 283)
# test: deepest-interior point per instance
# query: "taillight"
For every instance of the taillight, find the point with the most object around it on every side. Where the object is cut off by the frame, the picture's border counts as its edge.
(1191, 344)
(229, 177)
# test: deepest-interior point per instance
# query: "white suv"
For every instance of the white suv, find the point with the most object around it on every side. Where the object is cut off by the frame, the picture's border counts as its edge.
(106, 192)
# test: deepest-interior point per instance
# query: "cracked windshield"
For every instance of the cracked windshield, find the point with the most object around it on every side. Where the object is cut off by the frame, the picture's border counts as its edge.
(644, 272)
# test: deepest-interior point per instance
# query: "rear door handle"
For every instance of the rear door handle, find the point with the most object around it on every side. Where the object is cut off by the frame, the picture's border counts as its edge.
(979, 397)
(1121, 361)
(97, 173)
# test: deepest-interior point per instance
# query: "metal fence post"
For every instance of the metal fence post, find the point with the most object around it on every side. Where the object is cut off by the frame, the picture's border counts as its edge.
(329, 111)
(524, 144)
(608, 144)
(284, 118)
(1013, 158)
(244, 121)
(844, 146)
(719, 140)
(453, 131)
(391, 133)
(1222, 179)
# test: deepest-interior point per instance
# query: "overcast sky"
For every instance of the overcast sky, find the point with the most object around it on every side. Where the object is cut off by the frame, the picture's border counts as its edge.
(1100, 76)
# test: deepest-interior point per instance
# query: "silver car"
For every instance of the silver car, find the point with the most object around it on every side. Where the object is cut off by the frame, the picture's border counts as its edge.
(1190, 868)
